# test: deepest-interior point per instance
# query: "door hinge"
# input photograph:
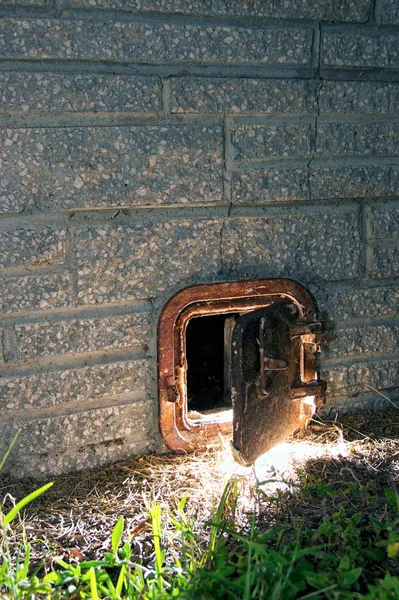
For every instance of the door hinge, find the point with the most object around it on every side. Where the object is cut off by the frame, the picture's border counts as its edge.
(310, 388)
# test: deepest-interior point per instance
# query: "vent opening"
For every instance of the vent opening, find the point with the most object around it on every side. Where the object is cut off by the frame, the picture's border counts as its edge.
(207, 355)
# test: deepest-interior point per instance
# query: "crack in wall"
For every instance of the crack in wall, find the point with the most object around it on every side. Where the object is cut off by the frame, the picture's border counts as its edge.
(165, 96)
(58, 7)
(229, 154)
(313, 141)
(373, 15)
(221, 240)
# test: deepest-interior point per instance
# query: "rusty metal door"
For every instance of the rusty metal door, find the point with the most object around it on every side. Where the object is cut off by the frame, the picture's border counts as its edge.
(273, 394)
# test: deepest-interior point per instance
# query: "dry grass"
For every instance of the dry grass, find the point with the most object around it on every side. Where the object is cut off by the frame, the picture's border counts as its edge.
(359, 453)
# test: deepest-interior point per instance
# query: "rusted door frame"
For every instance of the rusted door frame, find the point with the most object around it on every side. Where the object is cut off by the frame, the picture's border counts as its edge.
(206, 300)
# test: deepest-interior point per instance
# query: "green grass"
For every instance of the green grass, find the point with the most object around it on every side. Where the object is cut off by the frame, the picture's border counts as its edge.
(352, 552)
(346, 557)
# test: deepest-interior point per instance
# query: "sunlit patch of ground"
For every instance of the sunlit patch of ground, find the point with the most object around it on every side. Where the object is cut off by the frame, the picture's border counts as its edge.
(331, 464)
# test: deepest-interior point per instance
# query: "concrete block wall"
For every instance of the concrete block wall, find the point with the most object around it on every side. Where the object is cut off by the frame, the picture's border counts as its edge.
(147, 145)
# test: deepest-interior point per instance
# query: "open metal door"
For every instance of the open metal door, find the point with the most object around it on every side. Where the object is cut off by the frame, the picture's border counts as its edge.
(273, 380)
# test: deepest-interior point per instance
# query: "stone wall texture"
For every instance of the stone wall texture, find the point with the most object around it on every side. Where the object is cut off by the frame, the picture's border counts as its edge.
(148, 145)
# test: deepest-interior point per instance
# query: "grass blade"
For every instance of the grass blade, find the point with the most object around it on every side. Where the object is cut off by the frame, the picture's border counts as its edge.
(121, 578)
(93, 584)
(230, 491)
(20, 505)
(23, 573)
(9, 449)
(117, 535)
(155, 515)
(248, 574)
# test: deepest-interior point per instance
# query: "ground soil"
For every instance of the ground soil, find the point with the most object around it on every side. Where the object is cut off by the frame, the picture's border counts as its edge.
(326, 466)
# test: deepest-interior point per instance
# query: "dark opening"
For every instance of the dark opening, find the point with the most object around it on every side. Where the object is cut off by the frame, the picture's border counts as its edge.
(207, 387)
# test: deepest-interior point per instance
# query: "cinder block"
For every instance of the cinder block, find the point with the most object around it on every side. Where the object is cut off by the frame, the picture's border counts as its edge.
(354, 182)
(362, 341)
(358, 97)
(151, 41)
(122, 379)
(354, 379)
(271, 185)
(357, 139)
(328, 10)
(35, 293)
(386, 261)
(66, 93)
(384, 220)
(29, 248)
(42, 390)
(79, 167)
(146, 260)
(304, 247)
(78, 335)
(366, 49)
(45, 389)
(39, 3)
(374, 302)
(242, 96)
(83, 440)
(338, 407)
(389, 12)
(272, 140)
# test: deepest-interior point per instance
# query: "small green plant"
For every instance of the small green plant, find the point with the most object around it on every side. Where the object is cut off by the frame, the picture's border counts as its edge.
(314, 486)
(14, 573)
(384, 589)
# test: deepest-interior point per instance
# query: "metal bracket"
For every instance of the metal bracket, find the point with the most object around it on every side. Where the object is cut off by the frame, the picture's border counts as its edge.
(310, 388)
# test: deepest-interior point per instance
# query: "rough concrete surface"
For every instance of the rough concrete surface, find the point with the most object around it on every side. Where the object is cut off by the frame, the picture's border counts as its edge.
(69, 93)
(344, 10)
(110, 166)
(146, 42)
